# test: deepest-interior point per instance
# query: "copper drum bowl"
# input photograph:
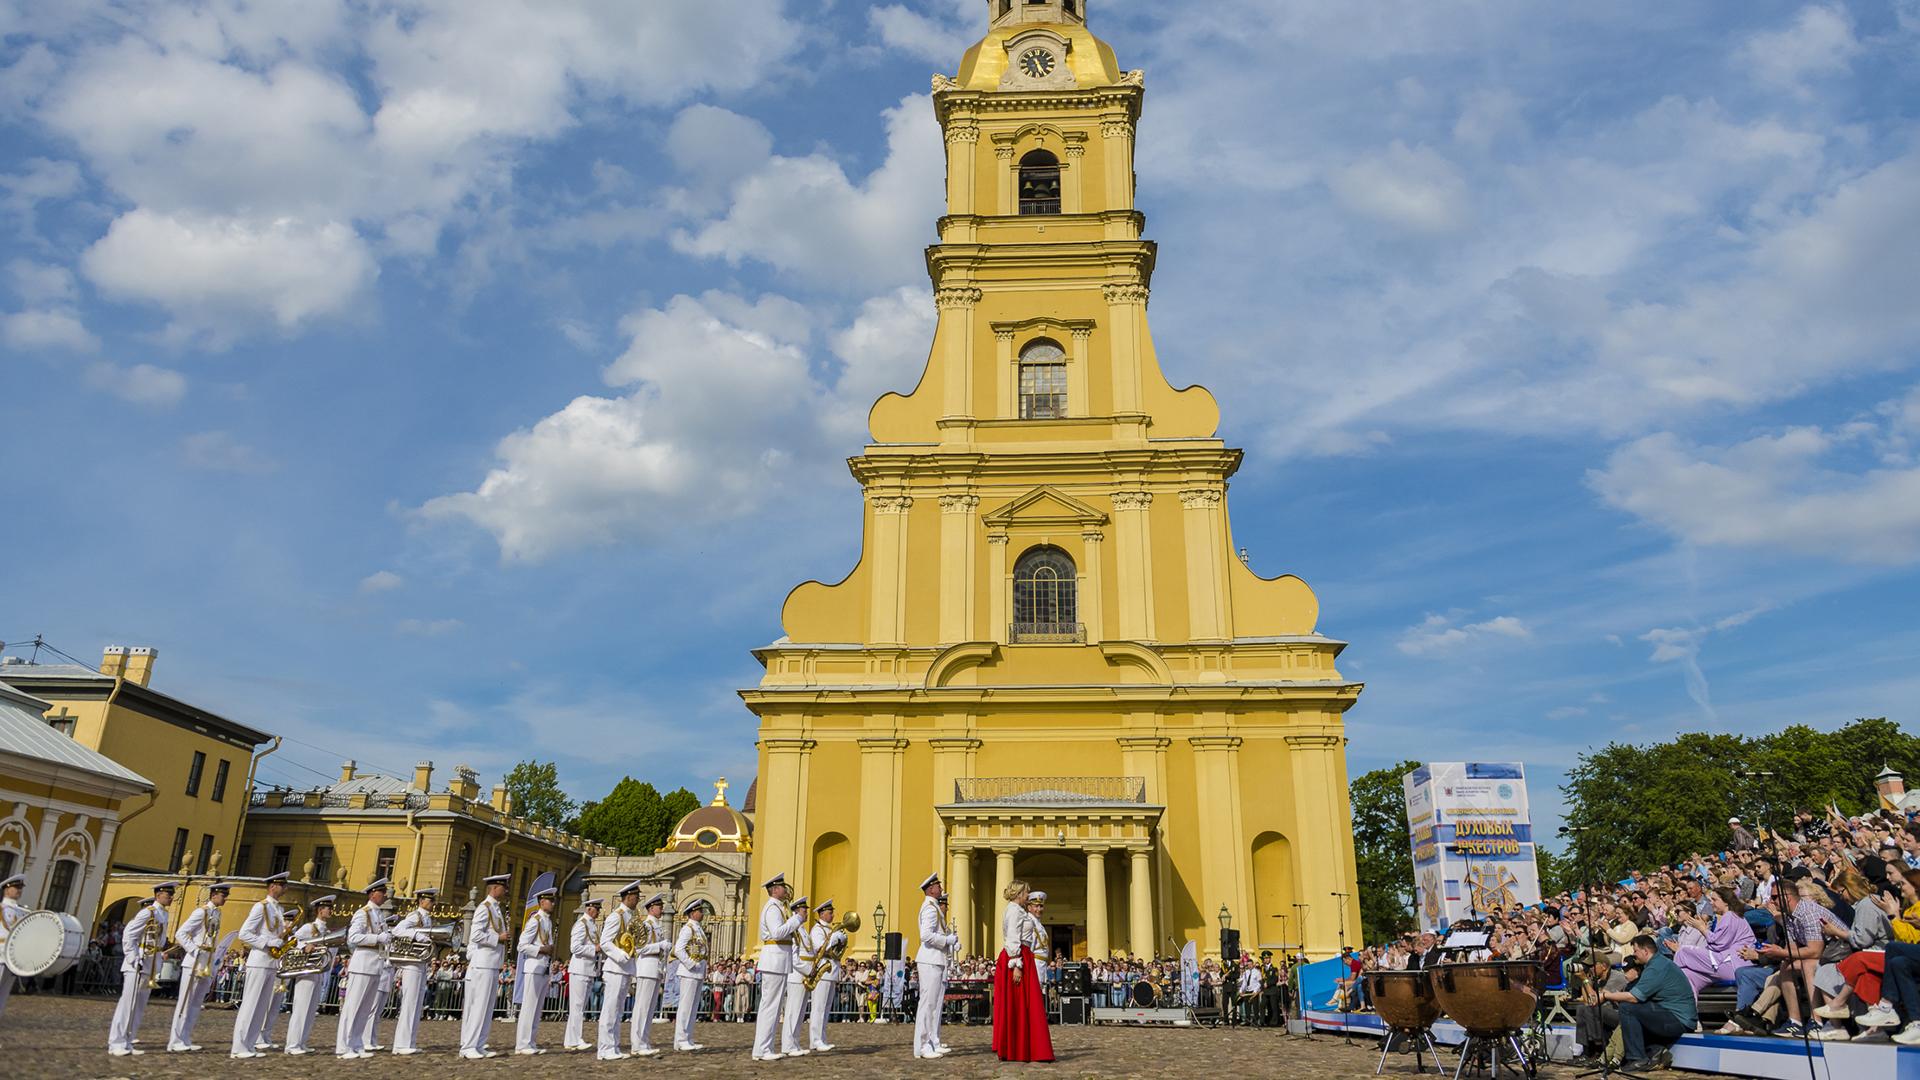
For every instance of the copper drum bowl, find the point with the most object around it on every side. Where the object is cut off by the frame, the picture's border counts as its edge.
(1404, 999)
(1489, 997)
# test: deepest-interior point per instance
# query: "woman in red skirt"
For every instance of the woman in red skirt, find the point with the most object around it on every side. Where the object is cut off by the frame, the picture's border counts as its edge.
(1019, 1002)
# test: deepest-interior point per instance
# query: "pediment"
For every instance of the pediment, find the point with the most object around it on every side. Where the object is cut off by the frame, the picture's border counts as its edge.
(1044, 507)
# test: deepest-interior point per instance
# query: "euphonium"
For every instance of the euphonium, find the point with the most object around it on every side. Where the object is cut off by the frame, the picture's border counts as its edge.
(831, 955)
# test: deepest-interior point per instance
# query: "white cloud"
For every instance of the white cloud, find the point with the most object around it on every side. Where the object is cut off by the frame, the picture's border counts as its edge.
(803, 216)
(211, 270)
(141, 384)
(219, 451)
(1681, 645)
(427, 627)
(1819, 43)
(1410, 187)
(716, 145)
(1804, 490)
(381, 581)
(51, 328)
(40, 283)
(930, 38)
(1437, 634)
(41, 180)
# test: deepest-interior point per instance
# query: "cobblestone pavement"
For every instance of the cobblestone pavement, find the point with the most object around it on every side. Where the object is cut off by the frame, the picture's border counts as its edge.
(52, 1037)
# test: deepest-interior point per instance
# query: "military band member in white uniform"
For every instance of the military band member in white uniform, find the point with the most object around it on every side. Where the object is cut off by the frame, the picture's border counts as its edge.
(617, 967)
(937, 945)
(536, 961)
(382, 990)
(367, 940)
(656, 943)
(583, 961)
(793, 1015)
(777, 928)
(142, 941)
(488, 937)
(1037, 939)
(690, 952)
(276, 1002)
(264, 931)
(11, 911)
(823, 939)
(413, 976)
(198, 937)
(309, 990)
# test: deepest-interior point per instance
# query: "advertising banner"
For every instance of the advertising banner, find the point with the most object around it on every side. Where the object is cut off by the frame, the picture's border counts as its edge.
(1469, 827)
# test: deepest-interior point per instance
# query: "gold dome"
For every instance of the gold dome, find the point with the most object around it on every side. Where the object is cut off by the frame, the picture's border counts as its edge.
(713, 827)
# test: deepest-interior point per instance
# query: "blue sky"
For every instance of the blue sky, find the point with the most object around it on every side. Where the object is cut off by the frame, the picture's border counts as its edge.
(432, 380)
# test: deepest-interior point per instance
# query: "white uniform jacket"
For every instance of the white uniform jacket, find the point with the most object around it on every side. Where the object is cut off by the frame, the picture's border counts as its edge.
(132, 958)
(776, 938)
(655, 946)
(11, 912)
(690, 950)
(583, 957)
(616, 958)
(484, 947)
(199, 933)
(264, 929)
(307, 931)
(820, 940)
(367, 936)
(536, 944)
(937, 941)
(410, 925)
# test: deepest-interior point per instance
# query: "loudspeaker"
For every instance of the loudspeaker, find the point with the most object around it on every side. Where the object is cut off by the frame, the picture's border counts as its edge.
(1075, 981)
(896, 945)
(1073, 1010)
(1229, 946)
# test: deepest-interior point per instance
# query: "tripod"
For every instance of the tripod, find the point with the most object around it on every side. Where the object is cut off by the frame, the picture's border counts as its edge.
(1299, 991)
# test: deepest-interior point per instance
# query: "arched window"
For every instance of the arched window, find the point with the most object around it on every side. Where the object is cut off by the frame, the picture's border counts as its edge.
(465, 864)
(1039, 183)
(1043, 381)
(60, 887)
(1044, 581)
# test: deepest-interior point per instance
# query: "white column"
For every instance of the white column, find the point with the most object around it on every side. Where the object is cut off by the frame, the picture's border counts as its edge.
(1002, 877)
(1098, 945)
(957, 532)
(1135, 573)
(38, 864)
(1090, 586)
(999, 586)
(1206, 555)
(960, 888)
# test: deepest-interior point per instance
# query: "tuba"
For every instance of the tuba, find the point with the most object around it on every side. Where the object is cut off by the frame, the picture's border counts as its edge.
(404, 951)
(832, 954)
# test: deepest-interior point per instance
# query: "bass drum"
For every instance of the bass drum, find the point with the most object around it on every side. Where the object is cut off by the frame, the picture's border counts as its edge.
(1142, 995)
(45, 943)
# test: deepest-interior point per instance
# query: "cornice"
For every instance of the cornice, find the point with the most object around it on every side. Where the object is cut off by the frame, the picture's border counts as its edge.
(1165, 468)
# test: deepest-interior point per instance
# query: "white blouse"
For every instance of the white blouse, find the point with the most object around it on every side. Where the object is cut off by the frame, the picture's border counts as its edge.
(1018, 928)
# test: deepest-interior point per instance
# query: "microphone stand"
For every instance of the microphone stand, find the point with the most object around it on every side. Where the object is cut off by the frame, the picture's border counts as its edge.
(1299, 991)
(1346, 999)
(1603, 1064)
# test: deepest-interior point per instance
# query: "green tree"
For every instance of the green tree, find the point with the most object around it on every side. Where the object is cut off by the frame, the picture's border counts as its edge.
(1382, 856)
(635, 817)
(1638, 807)
(1557, 873)
(535, 789)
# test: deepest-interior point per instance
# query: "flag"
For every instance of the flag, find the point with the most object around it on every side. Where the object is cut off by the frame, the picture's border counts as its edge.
(1190, 972)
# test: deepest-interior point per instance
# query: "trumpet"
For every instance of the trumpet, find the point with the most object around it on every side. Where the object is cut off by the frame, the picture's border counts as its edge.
(831, 955)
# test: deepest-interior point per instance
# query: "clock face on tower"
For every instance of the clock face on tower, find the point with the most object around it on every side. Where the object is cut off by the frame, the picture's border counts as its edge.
(1037, 63)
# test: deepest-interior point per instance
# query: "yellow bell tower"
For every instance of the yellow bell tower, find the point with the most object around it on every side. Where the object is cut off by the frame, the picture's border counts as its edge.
(1048, 663)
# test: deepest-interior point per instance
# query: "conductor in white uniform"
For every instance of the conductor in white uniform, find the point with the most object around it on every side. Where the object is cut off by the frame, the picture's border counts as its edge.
(777, 927)
(487, 939)
(937, 945)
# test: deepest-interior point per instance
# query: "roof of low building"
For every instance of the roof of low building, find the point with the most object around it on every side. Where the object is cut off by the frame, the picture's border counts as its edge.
(63, 680)
(25, 731)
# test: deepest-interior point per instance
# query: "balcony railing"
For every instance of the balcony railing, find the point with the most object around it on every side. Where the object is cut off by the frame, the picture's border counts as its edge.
(1027, 632)
(1050, 790)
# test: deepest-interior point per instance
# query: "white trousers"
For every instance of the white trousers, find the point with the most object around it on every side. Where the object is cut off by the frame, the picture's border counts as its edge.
(127, 1014)
(355, 1005)
(579, 989)
(250, 1022)
(186, 1011)
(382, 990)
(533, 995)
(610, 1006)
(817, 1010)
(277, 998)
(413, 998)
(306, 1008)
(476, 1008)
(646, 997)
(6, 986)
(773, 999)
(687, 1013)
(933, 999)
(794, 1019)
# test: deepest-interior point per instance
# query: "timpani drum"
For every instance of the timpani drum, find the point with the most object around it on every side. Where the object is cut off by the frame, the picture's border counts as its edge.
(1404, 999)
(1490, 997)
(45, 943)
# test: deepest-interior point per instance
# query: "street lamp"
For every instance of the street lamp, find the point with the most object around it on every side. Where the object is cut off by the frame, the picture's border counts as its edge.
(879, 930)
(1226, 918)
